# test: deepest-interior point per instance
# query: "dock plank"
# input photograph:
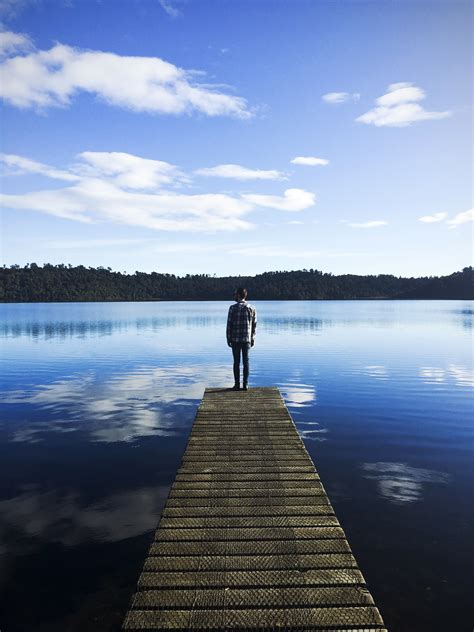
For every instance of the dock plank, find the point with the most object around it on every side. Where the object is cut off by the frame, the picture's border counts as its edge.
(248, 539)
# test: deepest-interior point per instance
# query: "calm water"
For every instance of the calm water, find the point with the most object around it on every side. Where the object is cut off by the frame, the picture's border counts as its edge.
(98, 400)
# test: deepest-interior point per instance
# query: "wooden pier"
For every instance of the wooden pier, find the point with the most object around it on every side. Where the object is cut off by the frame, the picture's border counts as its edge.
(248, 539)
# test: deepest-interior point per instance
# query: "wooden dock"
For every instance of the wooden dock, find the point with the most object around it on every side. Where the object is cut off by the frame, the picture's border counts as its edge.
(248, 539)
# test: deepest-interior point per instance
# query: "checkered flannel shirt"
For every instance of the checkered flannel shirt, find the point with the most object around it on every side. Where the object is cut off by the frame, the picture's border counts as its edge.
(241, 323)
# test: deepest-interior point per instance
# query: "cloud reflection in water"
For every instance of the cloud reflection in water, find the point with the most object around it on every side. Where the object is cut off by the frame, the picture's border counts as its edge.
(400, 483)
(121, 407)
(58, 516)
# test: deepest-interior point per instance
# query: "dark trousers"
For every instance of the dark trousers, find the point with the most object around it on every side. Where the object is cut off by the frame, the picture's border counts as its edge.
(237, 349)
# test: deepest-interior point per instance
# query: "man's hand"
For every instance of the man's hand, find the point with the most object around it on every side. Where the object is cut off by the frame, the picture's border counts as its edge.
(229, 344)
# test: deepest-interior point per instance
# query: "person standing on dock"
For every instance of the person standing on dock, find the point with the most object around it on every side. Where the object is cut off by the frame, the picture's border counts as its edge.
(241, 330)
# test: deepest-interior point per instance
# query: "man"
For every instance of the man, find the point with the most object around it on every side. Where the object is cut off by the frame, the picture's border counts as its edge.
(241, 330)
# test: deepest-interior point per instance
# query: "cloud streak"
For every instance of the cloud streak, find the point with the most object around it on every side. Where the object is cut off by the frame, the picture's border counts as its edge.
(292, 200)
(461, 218)
(309, 161)
(399, 107)
(340, 97)
(432, 219)
(168, 8)
(238, 172)
(127, 189)
(372, 224)
(52, 78)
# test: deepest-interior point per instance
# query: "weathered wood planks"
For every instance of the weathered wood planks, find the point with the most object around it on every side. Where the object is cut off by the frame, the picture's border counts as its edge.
(248, 539)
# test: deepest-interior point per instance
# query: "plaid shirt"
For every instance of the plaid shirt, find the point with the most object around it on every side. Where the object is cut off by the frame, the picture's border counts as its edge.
(241, 323)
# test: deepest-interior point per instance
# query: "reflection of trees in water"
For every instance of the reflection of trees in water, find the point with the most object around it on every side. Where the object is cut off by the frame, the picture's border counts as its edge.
(289, 322)
(84, 328)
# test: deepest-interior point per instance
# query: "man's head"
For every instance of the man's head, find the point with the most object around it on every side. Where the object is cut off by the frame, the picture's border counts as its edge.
(240, 294)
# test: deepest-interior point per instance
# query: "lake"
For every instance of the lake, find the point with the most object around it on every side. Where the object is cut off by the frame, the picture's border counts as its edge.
(98, 400)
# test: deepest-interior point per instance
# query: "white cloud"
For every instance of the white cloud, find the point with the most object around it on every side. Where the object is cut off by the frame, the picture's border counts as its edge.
(309, 161)
(13, 42)
(168, 7)
(371, 224)
(52, 78)
(399, 108)
(292, 200)
(18, 165)
(238, 172)
(97, 200)
(130, 171)
(125, 170)
(461, 218)
(296, 223)
(126, 189)
(431, 219)
(340, 97)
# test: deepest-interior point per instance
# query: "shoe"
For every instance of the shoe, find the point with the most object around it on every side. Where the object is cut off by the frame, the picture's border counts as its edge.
(245, 387)
(236, 387)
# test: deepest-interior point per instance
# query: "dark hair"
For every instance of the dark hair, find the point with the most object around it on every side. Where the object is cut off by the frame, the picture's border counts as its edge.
(241, 292)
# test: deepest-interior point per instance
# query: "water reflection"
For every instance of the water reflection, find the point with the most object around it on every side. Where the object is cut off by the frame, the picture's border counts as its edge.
(120, 407)
(311, 431)
(98, 400)
(462, 375)
(60, 515)
(85, 328)
(377, 371)
(400, 483)
(298, 395)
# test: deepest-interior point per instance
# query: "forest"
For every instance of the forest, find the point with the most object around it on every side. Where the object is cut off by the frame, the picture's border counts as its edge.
(60, 283)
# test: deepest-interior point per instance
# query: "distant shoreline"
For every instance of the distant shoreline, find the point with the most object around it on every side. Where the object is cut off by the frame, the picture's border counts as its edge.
(230, 299)
(78, 284)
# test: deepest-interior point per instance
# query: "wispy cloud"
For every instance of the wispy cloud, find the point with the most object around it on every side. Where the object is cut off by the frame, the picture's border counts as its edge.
(262, 250)
(399, 107)
(52, 78)
(129, 171)
(432, 219)
(309, 161)
(372, 224)
(18, 165)
(461, 218)
(13, 43)
(169, 8)
(238, 172)
(93, 243)
(11, 8)
(292, 200)
(340, 97)
(127, 189)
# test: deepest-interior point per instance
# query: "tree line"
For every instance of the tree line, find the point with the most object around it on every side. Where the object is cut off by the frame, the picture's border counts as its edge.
(47, 283)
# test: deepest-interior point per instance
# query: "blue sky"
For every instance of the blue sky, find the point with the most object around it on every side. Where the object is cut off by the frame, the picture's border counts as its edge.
(237, 137)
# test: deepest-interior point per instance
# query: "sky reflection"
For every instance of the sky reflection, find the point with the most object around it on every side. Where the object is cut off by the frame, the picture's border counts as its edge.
(400, 483)
(98, 399)
(120, 407)
(60, 515)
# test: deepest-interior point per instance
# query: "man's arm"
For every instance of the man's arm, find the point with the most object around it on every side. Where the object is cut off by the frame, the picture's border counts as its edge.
(229, 327)
(254, 326)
